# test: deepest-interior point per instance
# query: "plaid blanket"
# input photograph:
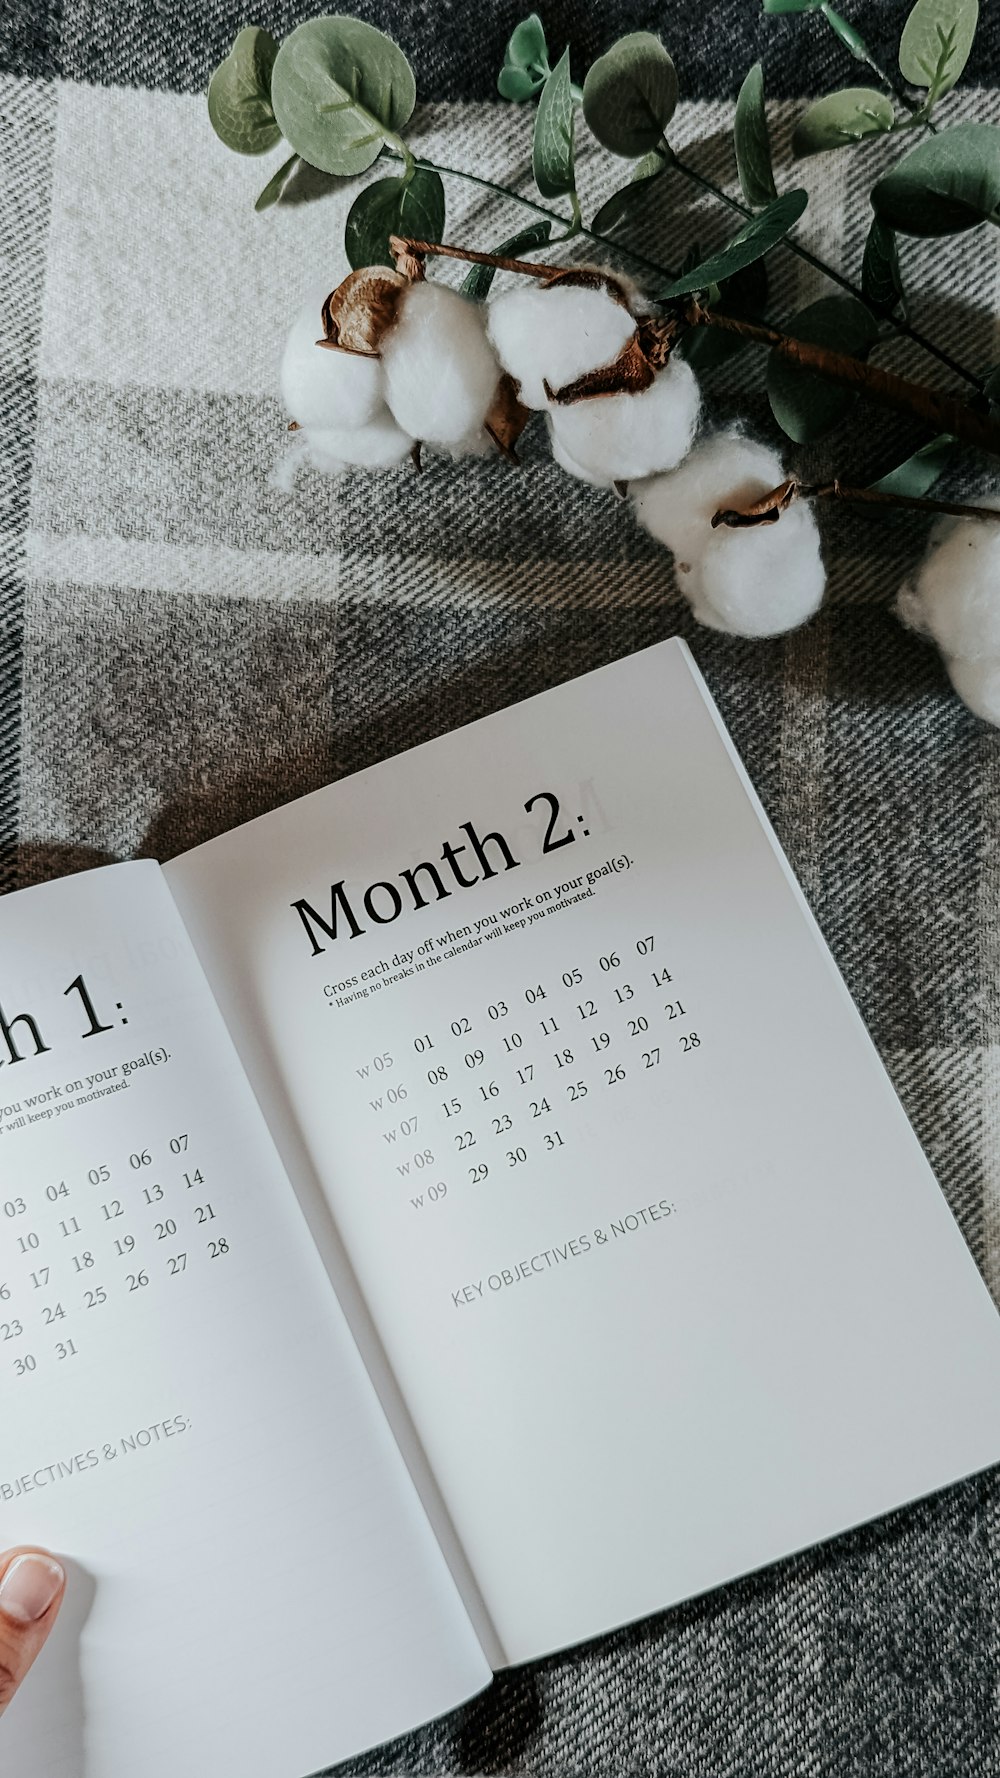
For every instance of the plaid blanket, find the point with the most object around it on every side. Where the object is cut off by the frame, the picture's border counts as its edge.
(186, 640)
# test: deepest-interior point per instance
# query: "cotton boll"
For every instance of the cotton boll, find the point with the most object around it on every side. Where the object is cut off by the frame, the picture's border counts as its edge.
(624, 437)
(562, 456)
(556, 334)
(727, 470)
(978, 685)
(440, 370)
(380, 445)
(763, 579)
(324, 388)
(955, 595)
(757, 580)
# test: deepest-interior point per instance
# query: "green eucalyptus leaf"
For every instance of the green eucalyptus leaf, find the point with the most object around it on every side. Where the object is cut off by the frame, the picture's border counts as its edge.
(276, 184)
(552, 143)
(918, 473)
(477, 283)
(849, 116)
(881, 280)
(527, 47)
(339, 88)
(936, 41)
(239, 94)
(948, 183)
(806, 405)
(395, 206)
(518, 84)
(526, 61)
(755, 238)
(623, 204)
(753, 144)
(630, 94)
(745, 298)
(780, 6)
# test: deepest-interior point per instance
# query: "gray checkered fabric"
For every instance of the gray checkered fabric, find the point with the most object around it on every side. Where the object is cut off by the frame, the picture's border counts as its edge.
(186, 641)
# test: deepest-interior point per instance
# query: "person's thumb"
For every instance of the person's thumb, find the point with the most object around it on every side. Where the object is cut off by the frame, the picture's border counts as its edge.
(32, 1584)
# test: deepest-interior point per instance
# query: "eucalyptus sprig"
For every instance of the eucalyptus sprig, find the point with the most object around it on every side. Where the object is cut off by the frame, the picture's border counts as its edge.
(341, 95)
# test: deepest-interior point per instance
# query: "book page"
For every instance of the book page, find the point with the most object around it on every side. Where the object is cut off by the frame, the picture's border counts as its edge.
(665, 1279)
(254, 1587)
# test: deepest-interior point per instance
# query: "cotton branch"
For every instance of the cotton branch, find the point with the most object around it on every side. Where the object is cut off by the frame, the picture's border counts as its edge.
(929, 407)
(940, 412)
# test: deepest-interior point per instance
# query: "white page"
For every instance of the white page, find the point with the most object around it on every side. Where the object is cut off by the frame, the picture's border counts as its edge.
(254, 1587)
(719, 1310)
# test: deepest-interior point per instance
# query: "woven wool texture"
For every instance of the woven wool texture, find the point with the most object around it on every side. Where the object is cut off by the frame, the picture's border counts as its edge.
(184, 645)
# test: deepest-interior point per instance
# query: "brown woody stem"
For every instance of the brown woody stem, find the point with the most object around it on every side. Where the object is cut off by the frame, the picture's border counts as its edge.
(769, 508)
(932, 408)
(403, 249)
(941, 412)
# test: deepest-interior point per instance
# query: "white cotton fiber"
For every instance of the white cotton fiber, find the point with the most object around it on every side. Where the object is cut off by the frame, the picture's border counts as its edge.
(978, 685)
(763, 580)
(562, 456)
(955, 595)
(474, 444)
(754, 581)
(440, 370)
(324, 388)
(623, 437)
(557, 334)
(727, 470)
(954, 598)
(380, 445)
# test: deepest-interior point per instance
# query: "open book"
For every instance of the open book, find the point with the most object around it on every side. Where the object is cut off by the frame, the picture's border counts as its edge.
(445, 1219)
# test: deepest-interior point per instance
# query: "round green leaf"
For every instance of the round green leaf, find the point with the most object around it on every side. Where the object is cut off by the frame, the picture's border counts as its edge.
(752, 142)
(806, 405)
(755, 238)
(477, 282)
(552, 142)
(338, 88)
(527, 47)
(881, 282)
(239, 94)
(948, 183)
(850, 116)
(518, 84)
(917, 475)
(393, 207)
(630, 94)
(936, 41)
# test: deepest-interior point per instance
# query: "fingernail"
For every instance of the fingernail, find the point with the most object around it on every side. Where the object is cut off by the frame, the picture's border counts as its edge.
(29, 1587)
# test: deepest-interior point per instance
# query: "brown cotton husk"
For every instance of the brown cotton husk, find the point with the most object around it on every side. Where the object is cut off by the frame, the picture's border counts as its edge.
(358, 313)
(507, 417)
(658, 335)
(628, 374)
(765, 511)
(586, 277)
(410, 258)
